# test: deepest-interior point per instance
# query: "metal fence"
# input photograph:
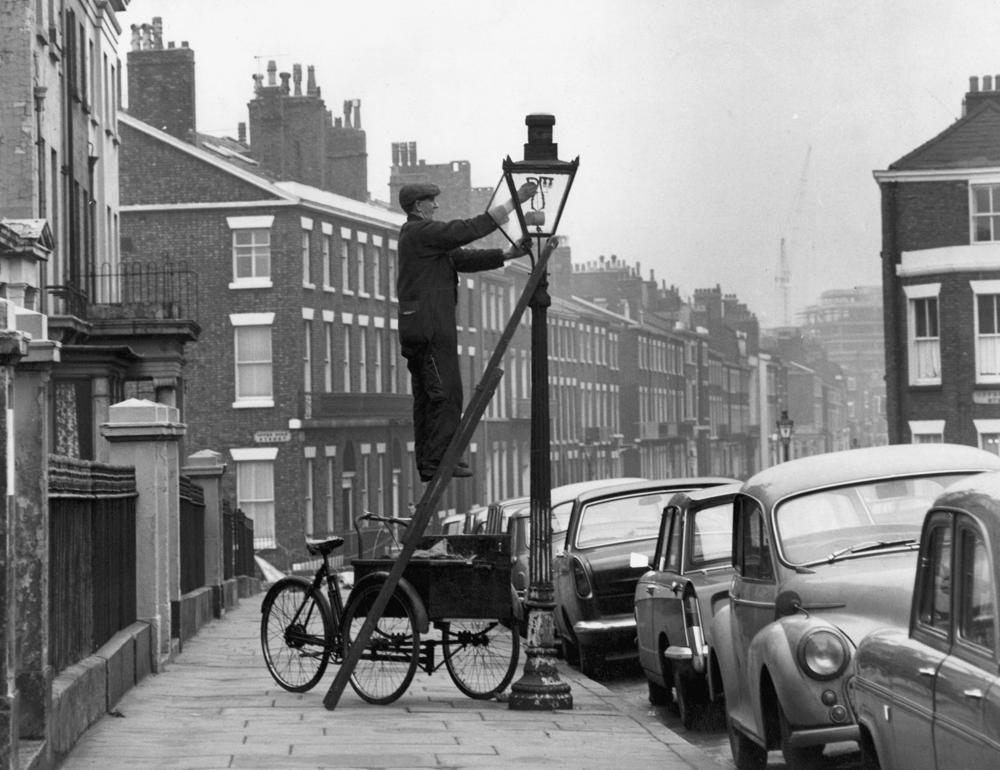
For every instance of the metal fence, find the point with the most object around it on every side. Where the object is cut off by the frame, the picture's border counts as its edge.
(148, 290)
(192, 535)
(92, 565)
(237, 544)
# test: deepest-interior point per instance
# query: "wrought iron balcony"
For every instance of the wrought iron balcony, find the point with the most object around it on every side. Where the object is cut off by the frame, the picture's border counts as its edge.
(139, 290)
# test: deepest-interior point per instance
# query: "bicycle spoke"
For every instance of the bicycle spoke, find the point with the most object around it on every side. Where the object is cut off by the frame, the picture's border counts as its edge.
(294, 634)
(481, 655)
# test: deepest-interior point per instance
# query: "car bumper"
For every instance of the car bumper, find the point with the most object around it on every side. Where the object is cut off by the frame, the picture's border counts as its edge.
(609, 633)
(823, 735)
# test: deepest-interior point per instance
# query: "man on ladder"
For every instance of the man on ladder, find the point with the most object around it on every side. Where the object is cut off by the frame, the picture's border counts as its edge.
(430, 258)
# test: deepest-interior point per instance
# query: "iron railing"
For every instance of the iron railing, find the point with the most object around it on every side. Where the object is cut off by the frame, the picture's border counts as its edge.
(192, 537)
(92, 564)
(237, 544)
(146, 290)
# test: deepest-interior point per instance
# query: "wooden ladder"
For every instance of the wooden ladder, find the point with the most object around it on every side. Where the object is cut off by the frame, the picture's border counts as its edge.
(436, 486)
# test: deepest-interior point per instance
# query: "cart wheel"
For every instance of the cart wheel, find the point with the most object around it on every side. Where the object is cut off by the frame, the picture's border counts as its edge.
(295, 633)
(389, 661)
(481, 655)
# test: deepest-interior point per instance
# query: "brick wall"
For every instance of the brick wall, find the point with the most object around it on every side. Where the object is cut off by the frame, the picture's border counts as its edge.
(161, 90)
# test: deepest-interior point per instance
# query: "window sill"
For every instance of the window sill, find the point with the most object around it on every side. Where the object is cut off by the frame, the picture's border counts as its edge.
(254, 403)
(348, 293)
(331, 289)
(307, 285)
(364, 295)
(252, 283)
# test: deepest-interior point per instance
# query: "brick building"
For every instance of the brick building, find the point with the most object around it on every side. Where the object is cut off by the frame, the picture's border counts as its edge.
(941, 280)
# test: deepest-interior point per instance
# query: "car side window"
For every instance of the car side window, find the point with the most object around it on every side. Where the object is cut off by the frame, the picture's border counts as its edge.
(753, 543)
(976, 599)
(935, 597)
(711, 533)
(672, 545)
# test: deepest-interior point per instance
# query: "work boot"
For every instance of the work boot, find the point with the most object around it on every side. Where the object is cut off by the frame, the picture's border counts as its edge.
(462, 471)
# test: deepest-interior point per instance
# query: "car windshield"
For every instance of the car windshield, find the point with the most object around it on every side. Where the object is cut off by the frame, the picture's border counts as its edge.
(621, 519)
(837, 523)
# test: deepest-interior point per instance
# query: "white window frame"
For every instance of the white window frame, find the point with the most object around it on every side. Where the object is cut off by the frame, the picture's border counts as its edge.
(926, 431)
(360, 249)
(309, 494)
(988, 435)
(326, 230)
(242, 321)
(990, 217)
(263, 513)
(990, 341)
(393, 258)
(328, 327)
(345, 260)
(377, 241)
(254, 224)
(913, 294)
(306, 248)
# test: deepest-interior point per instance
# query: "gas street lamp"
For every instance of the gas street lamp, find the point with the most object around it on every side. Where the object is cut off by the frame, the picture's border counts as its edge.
(539, 688)
(785, 426)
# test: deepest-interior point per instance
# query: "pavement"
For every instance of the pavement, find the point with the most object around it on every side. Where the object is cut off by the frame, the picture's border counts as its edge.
(215, 706)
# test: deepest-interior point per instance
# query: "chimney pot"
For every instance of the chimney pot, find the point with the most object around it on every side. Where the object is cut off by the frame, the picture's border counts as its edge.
(987, 82)
(158, 32)
(171, 44)
(311, 80)
(241, 132)
(297, 78)
(272, 71)
(184, 43)
(973, 84)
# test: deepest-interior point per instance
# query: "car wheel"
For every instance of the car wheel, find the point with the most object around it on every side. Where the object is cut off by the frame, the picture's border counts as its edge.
(691, 692)
(658, 694)
(799, 757)
(747, 755)
(591, 662)
(869, 755)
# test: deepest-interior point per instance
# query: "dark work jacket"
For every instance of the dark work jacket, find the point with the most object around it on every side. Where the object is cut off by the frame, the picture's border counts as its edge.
(430, 259)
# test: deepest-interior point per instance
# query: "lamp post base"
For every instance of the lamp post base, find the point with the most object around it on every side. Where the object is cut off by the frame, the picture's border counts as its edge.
(539, 688)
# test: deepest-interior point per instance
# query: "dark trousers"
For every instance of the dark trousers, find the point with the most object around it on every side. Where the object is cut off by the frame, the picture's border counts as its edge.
(437, 398)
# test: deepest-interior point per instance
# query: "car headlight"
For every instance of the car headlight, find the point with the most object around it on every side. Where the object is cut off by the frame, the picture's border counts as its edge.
(823, 654)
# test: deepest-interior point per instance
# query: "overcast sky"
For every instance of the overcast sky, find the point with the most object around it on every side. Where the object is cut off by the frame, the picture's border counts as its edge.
(707, 130)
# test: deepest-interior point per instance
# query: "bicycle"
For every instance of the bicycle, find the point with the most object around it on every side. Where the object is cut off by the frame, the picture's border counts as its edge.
(306, 624)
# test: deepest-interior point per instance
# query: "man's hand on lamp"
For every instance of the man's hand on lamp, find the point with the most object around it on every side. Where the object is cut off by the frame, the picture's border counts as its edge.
(526, 191)
(518, 249)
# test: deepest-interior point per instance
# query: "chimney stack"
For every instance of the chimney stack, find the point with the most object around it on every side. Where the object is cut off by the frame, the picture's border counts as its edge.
(161, 83)
(297, 78)
(311, 81)
(976, 97)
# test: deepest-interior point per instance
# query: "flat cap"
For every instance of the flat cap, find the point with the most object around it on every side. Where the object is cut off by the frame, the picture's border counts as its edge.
(411, 193)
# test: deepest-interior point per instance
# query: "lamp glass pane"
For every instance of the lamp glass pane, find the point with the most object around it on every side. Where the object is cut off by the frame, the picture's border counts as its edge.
(541, 213)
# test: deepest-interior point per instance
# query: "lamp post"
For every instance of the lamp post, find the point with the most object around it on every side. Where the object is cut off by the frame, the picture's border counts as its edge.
(785, 426)
(539, 688)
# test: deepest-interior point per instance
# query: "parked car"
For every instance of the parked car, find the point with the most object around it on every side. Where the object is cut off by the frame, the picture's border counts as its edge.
(928, 696)
(675, 601)
(824, 550)
(592, 574)
(514, 517)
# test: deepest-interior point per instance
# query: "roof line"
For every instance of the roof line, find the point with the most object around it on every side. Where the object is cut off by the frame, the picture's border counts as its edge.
(204, 155)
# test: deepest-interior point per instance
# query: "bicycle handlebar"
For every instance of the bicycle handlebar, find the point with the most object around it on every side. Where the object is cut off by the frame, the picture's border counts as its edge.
(383, 519)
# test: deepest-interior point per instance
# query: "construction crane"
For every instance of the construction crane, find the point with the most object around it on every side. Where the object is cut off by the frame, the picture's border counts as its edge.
(784, 275)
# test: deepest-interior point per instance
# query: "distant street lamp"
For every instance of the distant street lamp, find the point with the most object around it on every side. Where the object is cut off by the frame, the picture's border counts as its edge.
(539, 688)
(785, 426)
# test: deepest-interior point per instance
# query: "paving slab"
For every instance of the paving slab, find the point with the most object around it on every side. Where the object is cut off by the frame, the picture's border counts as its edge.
(216, 706)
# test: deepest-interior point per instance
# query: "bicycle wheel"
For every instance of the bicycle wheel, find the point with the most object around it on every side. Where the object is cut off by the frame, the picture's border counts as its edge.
(389, 661)
(481, 655)
(296, 633)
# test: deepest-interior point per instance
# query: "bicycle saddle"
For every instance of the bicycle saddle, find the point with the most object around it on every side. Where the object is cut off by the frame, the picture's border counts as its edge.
(324, 547)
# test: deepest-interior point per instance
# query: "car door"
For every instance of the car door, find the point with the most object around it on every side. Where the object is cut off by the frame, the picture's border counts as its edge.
(752, 598)
(967, 673)
(910, 672)
(655, 601)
